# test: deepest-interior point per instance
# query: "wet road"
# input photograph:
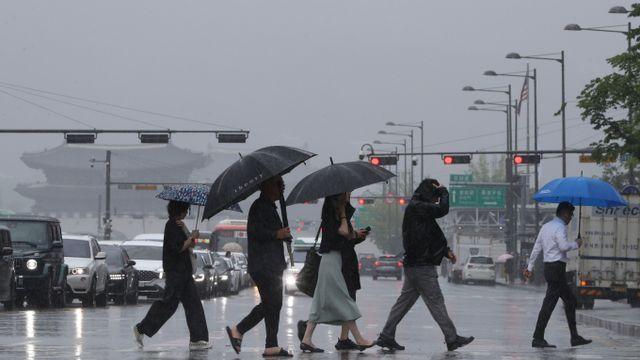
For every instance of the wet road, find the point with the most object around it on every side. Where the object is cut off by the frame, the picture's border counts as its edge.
(501, 319)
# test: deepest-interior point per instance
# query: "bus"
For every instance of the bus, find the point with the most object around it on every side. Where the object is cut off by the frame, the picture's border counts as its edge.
(228, 232)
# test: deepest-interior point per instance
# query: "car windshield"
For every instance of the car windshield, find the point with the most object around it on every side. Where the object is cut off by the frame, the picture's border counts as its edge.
(77, 248)
(114, 255)
(299, 256)
(27, 234)
(141, 252)
(481, 260)
(201, 261)
(221, 264)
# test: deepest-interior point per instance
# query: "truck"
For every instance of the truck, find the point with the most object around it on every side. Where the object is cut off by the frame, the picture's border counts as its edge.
(607, 266)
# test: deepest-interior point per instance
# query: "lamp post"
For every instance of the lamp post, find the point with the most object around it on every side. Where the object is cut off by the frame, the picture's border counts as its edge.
(536, 181)
(410, 136)
(563, 106)
(404, 146)
(421, 127)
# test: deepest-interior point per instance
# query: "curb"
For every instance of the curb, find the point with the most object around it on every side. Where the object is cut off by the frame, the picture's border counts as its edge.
(615, 326)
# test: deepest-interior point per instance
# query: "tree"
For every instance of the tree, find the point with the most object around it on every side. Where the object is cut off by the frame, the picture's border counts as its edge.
(614, 175)
(484, 170)
(602, 99)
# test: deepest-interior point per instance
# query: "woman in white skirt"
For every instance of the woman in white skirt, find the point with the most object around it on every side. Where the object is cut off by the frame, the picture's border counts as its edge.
(332, 303)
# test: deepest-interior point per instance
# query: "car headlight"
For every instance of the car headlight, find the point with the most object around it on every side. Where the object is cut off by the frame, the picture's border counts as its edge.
(116, 277)
(32, 264)
(79, 271)
(224, 277)
(199, 277)
(160, 273)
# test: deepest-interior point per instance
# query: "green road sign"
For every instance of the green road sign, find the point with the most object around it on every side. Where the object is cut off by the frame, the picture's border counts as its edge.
(460, 178)
(478, 197)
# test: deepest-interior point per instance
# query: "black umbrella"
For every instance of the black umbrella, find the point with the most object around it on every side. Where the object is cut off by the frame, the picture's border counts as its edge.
(244, 177)
(336, 179)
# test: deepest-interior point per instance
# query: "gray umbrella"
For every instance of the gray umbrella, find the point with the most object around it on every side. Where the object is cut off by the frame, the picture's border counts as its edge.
(336, 179)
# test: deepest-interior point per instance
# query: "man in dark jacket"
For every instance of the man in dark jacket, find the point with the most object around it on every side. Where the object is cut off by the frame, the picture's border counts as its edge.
(265, 234)
(425, 246)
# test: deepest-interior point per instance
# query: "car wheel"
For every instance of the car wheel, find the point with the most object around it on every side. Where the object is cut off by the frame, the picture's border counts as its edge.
(101, 299)
(90, 297)
(10, 304)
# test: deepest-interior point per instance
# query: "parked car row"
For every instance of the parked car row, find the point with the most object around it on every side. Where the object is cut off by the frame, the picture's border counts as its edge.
(43, 267)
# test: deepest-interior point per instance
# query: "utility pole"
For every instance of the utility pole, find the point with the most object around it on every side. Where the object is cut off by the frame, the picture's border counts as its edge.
(107, 211)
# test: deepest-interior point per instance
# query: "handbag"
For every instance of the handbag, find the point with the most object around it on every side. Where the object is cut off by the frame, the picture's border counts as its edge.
(308, 276)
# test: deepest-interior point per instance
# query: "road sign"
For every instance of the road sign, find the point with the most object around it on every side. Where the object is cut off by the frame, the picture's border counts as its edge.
(584, 158)
(478, 197)
(460, 178)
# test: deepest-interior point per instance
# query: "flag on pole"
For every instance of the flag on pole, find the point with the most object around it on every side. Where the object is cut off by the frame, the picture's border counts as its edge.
(524, 93)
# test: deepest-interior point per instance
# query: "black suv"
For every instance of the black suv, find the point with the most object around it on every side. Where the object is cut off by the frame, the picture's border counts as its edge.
(41, 273)
(7, 271)
(388, 266)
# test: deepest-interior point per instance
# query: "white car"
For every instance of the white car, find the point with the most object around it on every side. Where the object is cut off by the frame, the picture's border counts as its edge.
(148, 258)
(149, 237)
(88, 275)
(301, 246)
(479, 268)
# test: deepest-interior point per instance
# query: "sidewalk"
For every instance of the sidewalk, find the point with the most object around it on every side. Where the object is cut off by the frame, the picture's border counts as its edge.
(618, 317)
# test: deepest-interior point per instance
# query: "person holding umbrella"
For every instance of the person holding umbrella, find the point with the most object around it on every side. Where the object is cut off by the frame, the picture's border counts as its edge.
(180, 286)
(266, 236)
(333, 303)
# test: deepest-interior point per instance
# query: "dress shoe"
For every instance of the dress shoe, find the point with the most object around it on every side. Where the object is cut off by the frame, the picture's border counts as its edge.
(579, 340)
(391, 344)
(308, 348)
(460, 342)
(541, 343)
(347, 344)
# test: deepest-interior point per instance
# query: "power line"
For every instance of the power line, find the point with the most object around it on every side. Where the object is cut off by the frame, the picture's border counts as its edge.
(48, 109)
(123, 107)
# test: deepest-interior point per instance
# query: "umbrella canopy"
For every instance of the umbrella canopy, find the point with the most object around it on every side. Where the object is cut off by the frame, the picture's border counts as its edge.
(244, 177)
(580, 191)
(504, 257)
(194, 194)
(336, 179)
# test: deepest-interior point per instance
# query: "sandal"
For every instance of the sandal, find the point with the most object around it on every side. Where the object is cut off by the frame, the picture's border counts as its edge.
(283, 353)
(236, 344)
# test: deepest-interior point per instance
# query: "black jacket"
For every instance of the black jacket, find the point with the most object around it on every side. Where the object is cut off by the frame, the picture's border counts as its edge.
(423, 240)
(331, 240)
(172, 259)
(265, 251)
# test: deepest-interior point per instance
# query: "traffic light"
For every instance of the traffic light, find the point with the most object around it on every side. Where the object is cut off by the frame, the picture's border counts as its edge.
(382, 160)
(366, 201)
(456, 159)
(526, 159)
(403, 201)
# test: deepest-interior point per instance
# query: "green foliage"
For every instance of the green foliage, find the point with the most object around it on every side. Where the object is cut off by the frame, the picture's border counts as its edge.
(621, 174)
(607, 101)
(485, 170)
(386, 222)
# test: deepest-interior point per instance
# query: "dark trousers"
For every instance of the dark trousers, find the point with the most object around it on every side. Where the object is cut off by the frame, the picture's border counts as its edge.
(270, 289)
(557, 288)
(180, 288)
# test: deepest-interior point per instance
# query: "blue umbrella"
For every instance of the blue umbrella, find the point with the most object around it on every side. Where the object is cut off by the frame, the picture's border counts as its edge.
(194, 194)
(580, 191)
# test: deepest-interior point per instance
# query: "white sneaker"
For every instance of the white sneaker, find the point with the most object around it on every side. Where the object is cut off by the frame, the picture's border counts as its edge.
(138, 337)
(199, 345)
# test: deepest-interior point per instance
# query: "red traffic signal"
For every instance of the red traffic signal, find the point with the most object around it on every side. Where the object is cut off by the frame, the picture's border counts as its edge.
(456, 159)
(403, 201)
(366, 201)
(380, 160)
(526, 159)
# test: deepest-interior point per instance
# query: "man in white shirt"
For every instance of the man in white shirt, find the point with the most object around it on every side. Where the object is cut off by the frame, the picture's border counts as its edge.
(553, 243)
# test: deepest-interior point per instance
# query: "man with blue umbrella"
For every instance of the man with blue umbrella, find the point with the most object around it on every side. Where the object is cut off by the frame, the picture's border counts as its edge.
(553, 243)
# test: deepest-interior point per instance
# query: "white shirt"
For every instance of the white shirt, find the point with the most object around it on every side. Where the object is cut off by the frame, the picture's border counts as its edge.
(552, 241)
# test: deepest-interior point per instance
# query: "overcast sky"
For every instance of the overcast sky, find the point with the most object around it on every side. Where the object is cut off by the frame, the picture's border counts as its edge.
(325, 74)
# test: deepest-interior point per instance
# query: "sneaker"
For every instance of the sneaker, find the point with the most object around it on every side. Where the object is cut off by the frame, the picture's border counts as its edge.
(199, 345)
(347, 344)
(138, 336)
(579, 340)
(391, 344)
(460, 342)
(302, 328)
(541, 343)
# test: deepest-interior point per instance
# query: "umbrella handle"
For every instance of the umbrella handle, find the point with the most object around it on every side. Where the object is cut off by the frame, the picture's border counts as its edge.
(197, 217)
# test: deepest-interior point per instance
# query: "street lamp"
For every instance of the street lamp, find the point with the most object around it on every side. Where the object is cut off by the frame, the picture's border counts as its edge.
(563, 106)
(406, 170)
(418, 126)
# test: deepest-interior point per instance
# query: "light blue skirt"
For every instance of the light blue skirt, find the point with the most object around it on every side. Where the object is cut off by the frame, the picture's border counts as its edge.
(331, 301)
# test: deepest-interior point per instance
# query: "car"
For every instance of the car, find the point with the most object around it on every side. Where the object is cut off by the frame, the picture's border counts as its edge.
(227, 280)
(88, 276)
(149, 237)
(242, 263)
(479, 269)
(301, 246)
(148, 258)
(38, 257)
(365, 263)
(123, 276)
(7, 270)
(387, 266)
(236, 269)
(204, 276)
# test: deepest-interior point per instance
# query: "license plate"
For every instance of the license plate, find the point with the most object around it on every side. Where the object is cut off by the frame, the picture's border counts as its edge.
(241, 234)
(619, 289)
